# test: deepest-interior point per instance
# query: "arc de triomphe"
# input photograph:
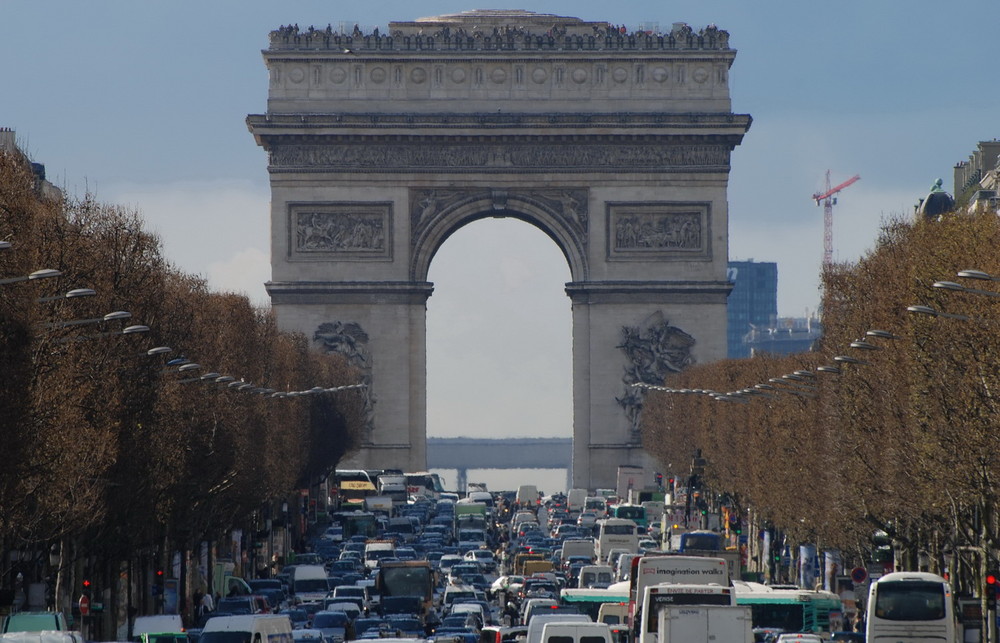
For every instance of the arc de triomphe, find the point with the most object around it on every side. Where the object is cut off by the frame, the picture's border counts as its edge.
(616, 145)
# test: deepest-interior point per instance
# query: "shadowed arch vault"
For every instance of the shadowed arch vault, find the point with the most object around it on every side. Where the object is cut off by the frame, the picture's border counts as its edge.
(380, 146)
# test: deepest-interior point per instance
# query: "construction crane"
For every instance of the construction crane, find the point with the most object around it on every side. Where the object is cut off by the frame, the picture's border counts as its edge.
(826, 196)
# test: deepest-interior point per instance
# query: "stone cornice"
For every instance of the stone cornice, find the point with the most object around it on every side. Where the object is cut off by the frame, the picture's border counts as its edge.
(349, 292)
(275, 122)
(614, 292)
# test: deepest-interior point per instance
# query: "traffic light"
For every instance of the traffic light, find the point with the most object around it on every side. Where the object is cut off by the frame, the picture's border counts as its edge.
(990, 591)
(659, 479)
(86, 583)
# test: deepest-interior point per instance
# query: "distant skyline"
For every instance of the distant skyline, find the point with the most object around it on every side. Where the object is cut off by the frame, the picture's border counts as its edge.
(144, 104)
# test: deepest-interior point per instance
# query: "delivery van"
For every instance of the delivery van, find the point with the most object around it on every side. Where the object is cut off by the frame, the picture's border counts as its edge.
(247, 628)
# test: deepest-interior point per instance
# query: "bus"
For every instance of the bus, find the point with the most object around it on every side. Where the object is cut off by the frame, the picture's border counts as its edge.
(791, 610)
(911, 606)
(424, 484)
(589, 601)
(616, 533)
(353, 486)
(696, 540)
(356, 523)
(635, 513)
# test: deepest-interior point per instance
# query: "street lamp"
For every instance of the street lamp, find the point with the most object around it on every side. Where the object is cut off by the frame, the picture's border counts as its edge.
(45, 273)
(977, 274)
(72, 294)
(927, 310)
(951, 285)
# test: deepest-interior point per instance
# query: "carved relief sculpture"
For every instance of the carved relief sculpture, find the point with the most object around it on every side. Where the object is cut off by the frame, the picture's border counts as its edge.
(654, 349)
(350, 340)
(661, 230)
(343, 229)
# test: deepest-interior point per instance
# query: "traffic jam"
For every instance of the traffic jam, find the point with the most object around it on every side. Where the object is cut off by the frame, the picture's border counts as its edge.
(404, 561)
(397, 558)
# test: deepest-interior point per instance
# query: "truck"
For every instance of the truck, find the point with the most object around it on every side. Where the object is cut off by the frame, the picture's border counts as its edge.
(575, 500)
(469, 515)
(408, 578)
(702, 624)
(629, 477)
(692, 613)
(578, 547)
(392, 485)
(379, 504)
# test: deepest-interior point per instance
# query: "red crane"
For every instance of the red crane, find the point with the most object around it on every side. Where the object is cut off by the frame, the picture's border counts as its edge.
(828, 202)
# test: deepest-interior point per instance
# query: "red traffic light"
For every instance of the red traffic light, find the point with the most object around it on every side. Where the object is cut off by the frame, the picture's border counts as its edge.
(159, 572)
(86, 583)
(991, 579)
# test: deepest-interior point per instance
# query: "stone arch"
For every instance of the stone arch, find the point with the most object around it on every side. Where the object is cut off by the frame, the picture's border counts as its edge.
(560, 214)
(626, 173)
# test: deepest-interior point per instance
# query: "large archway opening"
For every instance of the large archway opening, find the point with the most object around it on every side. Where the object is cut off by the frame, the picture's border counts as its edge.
(499, 345)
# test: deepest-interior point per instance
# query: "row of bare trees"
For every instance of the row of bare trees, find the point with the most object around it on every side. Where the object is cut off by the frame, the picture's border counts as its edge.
(904, 439)
(109, 448)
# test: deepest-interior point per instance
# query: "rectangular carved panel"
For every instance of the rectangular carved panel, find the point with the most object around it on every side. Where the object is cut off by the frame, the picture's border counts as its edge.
(340, 230)
(659, 231)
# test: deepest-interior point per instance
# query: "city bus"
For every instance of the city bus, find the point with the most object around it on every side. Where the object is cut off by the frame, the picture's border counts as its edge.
(635, 513)
(911, 606)
(353, 486)
(424, 484)
(791, 610)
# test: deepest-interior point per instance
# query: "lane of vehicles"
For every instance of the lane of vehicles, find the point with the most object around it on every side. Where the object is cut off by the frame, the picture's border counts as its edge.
(411, 573)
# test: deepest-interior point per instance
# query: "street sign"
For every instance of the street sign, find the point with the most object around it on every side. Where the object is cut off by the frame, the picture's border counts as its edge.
(84, 605)
(859, 574)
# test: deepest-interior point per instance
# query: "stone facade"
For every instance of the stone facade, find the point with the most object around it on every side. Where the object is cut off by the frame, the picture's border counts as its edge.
(616, 145)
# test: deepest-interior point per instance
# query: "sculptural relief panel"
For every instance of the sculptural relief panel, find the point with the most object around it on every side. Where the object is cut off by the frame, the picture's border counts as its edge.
(660, 231)
(487, 157)
(340, 230)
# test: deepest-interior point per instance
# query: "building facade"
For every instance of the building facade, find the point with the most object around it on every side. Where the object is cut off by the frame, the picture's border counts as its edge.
(753, 303)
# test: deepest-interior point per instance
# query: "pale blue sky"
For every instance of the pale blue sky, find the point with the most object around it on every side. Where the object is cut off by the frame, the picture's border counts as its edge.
(144, 103)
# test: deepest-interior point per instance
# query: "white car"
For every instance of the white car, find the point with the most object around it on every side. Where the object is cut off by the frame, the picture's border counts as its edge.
(587, 519)
(482, 557)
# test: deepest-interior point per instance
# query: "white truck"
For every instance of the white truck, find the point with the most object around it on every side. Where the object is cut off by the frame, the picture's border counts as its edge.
(578, 547)
(684, 613)
(575, 501)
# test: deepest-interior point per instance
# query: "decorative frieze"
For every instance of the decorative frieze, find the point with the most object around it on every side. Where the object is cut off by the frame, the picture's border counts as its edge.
(660, 231)
(340, 230)
(499, 157)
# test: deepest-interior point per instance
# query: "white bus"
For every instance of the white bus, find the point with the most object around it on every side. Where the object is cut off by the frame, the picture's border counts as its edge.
(616, 533)
(911, 606)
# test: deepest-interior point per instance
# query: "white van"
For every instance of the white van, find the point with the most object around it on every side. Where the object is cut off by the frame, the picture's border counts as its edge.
(527, 494)
(576, 633)
(247, 628)
(539, 621)
(309, 582)
(42, 636)
(156, 624)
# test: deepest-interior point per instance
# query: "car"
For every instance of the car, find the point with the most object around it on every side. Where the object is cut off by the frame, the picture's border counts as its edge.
(307, 635)
(587, 519)
(484, 558)
(504, 584)
(406, 625)
(334, 624)
(364, 623)
(798, 637)
(299, 618)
